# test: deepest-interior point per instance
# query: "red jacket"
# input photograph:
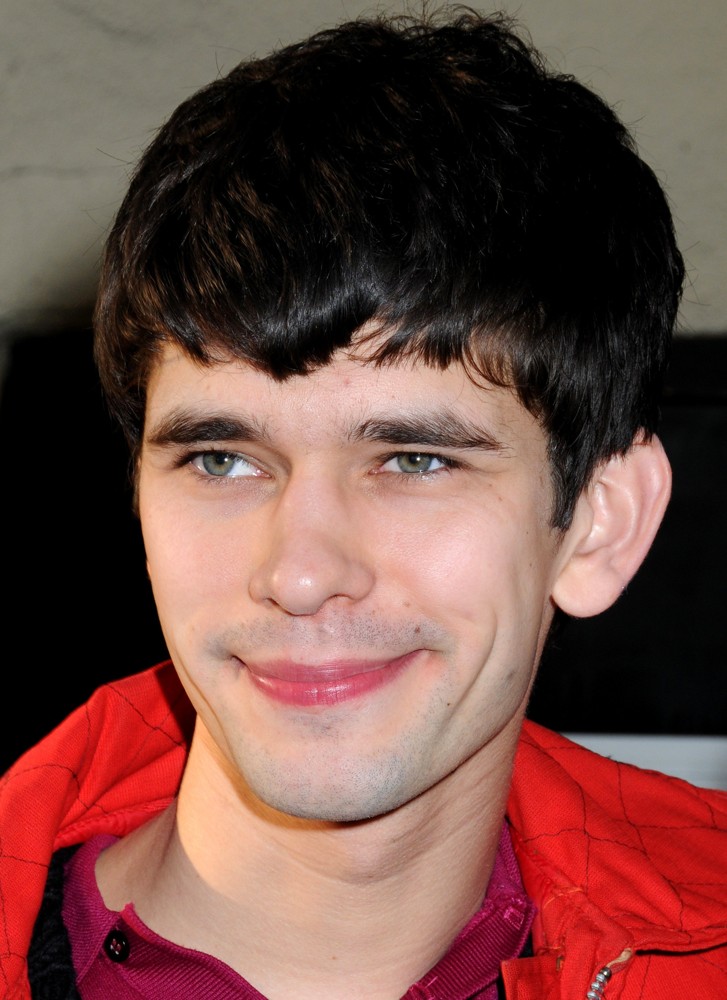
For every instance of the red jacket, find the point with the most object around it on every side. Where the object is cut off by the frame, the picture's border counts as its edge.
(628, 868)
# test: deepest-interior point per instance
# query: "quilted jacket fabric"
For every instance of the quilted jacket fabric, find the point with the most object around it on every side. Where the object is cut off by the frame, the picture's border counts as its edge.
(628, 868)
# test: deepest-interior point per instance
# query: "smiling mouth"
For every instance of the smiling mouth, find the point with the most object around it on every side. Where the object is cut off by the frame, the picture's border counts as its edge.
(327, 684)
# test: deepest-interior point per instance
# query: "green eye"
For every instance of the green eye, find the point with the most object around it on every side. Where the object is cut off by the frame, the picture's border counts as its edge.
(415, 462)
(224, 464)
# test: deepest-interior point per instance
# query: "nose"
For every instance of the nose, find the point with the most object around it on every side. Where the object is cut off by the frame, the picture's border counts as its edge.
(309, 552)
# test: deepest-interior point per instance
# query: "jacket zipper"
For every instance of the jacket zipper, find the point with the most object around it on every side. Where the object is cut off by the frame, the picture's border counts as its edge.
(600, 981)
(595, 991)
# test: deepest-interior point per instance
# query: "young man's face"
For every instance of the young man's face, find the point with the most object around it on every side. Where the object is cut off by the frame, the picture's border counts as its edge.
(353, 571)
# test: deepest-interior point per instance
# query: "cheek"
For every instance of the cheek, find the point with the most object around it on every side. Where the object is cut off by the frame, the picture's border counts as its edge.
(188, 553)
(487, 584)
(183, 565)
(473, 561)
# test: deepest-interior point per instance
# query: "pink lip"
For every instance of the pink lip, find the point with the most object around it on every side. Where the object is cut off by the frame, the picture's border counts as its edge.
(327, 684)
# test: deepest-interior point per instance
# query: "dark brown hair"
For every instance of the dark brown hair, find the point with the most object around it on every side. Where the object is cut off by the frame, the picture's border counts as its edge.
(432, 176)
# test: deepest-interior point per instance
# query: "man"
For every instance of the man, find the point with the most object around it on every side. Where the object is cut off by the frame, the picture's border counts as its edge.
(384, 317)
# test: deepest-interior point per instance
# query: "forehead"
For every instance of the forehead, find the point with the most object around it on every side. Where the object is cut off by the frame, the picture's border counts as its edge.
(338, 398)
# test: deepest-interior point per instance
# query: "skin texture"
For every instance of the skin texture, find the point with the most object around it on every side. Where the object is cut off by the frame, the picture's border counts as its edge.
(355, 573)
(315, 549)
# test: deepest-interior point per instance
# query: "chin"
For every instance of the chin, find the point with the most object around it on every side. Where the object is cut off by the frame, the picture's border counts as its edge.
(329, 806)
(352, 799)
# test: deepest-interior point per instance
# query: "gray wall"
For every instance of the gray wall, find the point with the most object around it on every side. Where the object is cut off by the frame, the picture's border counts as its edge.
(84, 83)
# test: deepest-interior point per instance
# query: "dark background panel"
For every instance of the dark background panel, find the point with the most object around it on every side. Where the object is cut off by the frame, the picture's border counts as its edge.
(656, 662)
(79, 610)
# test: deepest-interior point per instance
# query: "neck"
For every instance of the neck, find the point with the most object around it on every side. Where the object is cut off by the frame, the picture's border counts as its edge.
(300, 907)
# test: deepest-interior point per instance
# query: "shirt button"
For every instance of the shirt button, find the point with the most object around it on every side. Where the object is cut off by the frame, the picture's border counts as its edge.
(116, 946)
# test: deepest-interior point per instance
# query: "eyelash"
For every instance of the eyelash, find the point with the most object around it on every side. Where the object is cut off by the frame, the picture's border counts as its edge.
(189, 459)
(446, 463)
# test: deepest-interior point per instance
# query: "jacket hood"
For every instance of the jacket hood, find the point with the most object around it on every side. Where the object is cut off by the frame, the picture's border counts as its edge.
(645, 853)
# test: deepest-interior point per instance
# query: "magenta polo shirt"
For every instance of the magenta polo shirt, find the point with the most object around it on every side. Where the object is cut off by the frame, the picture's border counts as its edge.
(116, 955)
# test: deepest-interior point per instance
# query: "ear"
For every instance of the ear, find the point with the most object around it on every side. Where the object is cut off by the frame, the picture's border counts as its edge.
(614, 524)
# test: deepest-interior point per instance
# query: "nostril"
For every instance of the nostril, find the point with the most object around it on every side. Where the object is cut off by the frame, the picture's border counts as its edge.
(301, 579)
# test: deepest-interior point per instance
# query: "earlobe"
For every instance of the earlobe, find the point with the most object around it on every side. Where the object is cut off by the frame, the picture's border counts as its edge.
(614, 525)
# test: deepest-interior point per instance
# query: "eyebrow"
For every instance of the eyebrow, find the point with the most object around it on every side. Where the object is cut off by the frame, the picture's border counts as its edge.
(437, 429)
(187, 427)
(432, 429)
